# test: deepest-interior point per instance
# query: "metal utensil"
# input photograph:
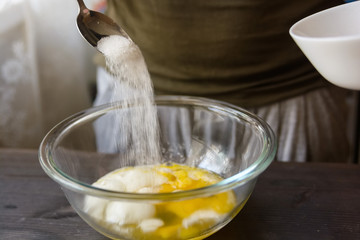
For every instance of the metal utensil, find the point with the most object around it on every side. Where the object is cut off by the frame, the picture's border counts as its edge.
(94, 25)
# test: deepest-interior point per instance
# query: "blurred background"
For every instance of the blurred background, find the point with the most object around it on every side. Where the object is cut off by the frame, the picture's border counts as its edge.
(48, 72)
(46, 68)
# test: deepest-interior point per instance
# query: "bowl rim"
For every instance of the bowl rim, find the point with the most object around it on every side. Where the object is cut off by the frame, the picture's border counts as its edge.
(294, 31)
(256, 168)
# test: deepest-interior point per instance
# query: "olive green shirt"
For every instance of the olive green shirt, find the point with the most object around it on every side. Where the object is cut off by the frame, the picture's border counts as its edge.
(237, 51)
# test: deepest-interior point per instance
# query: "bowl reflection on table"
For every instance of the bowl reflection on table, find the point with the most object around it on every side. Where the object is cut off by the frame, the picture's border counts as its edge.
(198, 132)
(330, 39)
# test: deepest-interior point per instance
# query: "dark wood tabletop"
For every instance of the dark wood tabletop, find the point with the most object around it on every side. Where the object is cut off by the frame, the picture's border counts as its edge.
(290, 201)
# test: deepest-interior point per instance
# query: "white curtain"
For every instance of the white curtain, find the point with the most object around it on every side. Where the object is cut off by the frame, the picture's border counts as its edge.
(45, 68)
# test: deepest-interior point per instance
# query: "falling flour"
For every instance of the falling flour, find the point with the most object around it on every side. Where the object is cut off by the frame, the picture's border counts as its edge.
(137, 134)
(136, 119)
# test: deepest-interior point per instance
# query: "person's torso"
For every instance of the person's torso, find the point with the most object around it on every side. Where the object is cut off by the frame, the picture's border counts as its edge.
(233, 50)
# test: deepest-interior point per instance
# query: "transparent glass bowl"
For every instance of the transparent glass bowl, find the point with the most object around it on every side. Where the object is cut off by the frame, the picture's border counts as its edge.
(199, 132)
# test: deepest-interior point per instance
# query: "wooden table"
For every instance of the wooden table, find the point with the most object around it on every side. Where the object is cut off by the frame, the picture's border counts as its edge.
(290, 201)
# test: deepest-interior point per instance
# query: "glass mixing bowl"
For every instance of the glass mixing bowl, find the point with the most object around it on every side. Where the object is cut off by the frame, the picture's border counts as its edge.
(198, 132)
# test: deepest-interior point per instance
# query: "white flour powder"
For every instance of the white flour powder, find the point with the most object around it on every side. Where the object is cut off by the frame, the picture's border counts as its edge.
(137, 118)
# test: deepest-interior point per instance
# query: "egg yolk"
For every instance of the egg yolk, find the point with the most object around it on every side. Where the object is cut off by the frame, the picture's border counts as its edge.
(180, 219)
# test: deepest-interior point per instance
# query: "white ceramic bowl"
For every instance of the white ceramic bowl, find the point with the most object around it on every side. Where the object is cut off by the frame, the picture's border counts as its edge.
(330, 39)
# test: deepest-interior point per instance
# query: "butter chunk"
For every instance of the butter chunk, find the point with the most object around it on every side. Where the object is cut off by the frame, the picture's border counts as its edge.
(128, 213)
(151, 224)
(200, 216)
